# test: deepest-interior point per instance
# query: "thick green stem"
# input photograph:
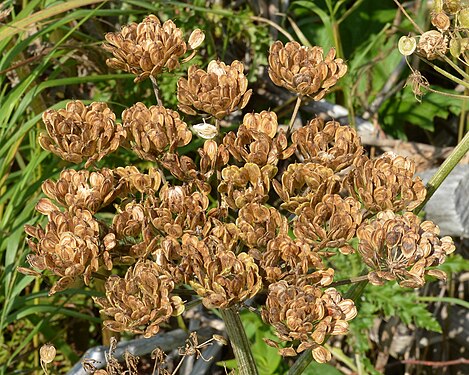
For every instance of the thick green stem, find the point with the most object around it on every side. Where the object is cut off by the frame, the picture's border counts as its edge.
(239, 342)
(453, 159)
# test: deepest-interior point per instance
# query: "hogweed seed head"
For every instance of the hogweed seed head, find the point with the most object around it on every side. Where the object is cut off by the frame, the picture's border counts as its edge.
(145, 49)
(400, 247)
(304, 70)
(81, 132)
(219, 91)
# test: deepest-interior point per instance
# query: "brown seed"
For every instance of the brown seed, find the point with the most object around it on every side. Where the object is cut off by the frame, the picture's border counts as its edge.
(47, 353)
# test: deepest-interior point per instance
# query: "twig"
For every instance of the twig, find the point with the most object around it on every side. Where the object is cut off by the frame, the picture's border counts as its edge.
(389, 88)
(156, 90)
(274, 25)
(295, 112)
(352, 280)
(459, 361)
(166, 341)
(417, 27)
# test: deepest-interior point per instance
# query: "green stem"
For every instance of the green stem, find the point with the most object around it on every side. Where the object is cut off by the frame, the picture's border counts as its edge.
(453, 159)
(301, 363)
(446, 74)
(455, 67)
(239, 342)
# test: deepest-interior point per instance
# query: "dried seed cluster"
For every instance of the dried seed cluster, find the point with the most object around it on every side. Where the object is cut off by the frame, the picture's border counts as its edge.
(145, 49)
(81, 132)
(400, 247)
(257, 212)
(218, 91)
(304, 70)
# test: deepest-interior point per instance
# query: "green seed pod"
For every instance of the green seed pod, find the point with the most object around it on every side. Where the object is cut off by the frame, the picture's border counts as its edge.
(407, 45)
(463, 18)
(438, 6)
(452, 6)
(458, 46)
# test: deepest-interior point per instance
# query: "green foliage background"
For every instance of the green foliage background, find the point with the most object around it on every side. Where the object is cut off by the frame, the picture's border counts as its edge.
(50, 53)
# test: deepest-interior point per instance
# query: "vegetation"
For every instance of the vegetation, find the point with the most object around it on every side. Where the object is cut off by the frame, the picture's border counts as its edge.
(232, 203)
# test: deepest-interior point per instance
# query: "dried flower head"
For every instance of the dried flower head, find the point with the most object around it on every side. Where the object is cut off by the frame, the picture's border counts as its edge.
(400, 247)
(218, 91)
(145, 49)
(82, 189)
(129, 222)
(441, 21)
(155, 130)
(47, 353)
(257, 147)
(212, 157)
(221, 278)
(417, 81)
(331, 223)
(140, 301)
(287, 259)
(330, 144)
(72, 246)
(386, 183)
(131, 180)
(259, 224)
(264, 122)
(305, 184)
(305, 313)
(178, 211)
(247, 184)
(81, 132)
(432, 44)
(304, 70)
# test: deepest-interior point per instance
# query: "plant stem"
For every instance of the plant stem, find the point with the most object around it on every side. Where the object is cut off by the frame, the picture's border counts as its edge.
(352, 280)
(453, 159)
(301, 363)
(156, 90)
(446, 74)
(239, 342)
(339, 354)
(274, 25)
(295, 112)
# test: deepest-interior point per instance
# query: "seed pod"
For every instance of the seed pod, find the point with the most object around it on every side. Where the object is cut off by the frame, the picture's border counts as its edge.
(407, 45)
(463, 18)
(47, 353)
(441, 21)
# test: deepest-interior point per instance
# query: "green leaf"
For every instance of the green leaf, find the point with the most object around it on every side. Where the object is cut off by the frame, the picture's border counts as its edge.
(405, 109)
(454, 264)
(22, 24)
